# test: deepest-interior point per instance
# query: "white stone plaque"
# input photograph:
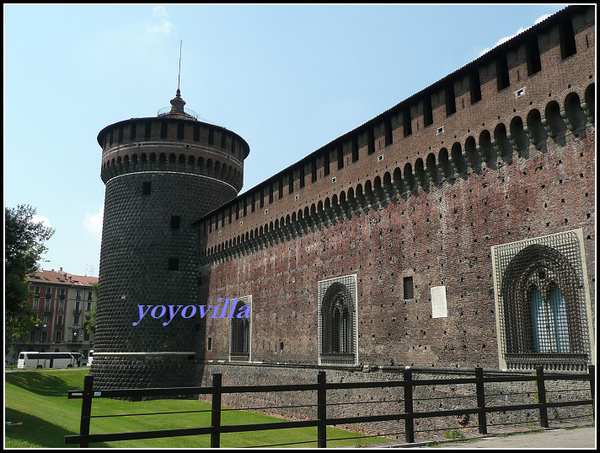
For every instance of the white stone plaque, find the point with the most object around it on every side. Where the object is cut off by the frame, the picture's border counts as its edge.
(439, 308)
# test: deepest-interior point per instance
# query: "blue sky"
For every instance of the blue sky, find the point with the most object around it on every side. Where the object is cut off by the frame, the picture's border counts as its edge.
(287, 78)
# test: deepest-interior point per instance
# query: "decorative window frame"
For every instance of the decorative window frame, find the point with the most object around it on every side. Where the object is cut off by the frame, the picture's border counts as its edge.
(560, 259)
(345, 286)
(235, 355)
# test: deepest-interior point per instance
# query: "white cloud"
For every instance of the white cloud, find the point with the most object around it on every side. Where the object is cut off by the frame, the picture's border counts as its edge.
(160, 24)
(520, 30)
(542, 18)
(40, 218)
(93, 223)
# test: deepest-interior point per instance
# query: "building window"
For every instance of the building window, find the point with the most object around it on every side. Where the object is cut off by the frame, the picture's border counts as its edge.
(534, 63)
(240, 330)
(502, 77)
(407, 122)
(173, 264)
(475, 86)
(427, 111)
(58, 337)
(567, 39)
(387, 131)
(450, 100)
(370, 141)
(301, 175)
(409, 291)
(543, 303)
(32, 336)
(61, 305)
(175, 222)
(209, 344)
(146, 188)
(338, 321)
(36, 304)
(549, 319)
(132, 131)
(354, 148)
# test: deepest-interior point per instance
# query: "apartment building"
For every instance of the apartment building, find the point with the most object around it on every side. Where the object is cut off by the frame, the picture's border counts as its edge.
(62, 302)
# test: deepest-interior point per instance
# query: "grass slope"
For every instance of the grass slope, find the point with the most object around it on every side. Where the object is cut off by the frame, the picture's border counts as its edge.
(39, 400)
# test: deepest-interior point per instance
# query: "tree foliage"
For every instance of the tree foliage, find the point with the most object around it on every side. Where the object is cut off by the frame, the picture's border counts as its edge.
(90, 326)
(23, 246)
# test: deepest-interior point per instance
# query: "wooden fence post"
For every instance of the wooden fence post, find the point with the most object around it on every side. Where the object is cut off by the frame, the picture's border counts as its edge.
(481, 400)
(408, 407)
(86, 410)
(322, 410)
(215, 436)
(541, 385)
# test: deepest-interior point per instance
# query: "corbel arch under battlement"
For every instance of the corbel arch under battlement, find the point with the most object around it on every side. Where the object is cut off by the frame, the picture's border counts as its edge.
(484, 146)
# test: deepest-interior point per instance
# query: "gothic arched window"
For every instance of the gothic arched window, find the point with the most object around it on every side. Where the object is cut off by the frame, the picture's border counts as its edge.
(240, 332)
(337, 321)
(543, 306)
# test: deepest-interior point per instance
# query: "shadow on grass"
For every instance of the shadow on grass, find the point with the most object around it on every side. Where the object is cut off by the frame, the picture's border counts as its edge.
(46, 435)
(38, 382)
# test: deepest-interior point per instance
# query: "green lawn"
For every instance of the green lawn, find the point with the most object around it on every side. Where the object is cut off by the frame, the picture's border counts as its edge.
(38, 398)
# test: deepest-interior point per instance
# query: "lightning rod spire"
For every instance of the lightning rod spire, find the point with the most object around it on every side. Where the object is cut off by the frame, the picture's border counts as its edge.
(179, 73)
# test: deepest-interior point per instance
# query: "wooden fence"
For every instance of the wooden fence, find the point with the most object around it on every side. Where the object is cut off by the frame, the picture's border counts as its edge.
(84, 438)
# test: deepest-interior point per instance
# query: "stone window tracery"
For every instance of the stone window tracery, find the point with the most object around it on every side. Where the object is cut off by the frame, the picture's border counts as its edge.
(337, 321)
(542, 303)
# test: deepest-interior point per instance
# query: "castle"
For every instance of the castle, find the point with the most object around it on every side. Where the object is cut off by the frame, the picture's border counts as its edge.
(456, 229)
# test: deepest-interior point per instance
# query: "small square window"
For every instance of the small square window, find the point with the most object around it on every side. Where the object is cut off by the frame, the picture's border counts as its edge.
(175, 222)
(173, 264)
(146, 188)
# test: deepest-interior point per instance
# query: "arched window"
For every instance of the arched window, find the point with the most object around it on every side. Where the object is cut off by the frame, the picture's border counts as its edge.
(337, 321)
(239, 344)
(542, 296)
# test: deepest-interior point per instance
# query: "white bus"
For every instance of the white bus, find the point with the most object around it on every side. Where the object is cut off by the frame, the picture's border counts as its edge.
(90, 357)
(32, 359)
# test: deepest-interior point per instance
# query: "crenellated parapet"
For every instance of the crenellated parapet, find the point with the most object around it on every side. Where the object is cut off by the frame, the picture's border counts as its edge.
(173, 143)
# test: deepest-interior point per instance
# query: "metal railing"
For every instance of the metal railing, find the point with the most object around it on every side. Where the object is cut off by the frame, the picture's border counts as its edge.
(322, 420)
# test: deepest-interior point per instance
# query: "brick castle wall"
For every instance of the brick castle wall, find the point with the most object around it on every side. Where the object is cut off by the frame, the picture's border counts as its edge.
(416, 192)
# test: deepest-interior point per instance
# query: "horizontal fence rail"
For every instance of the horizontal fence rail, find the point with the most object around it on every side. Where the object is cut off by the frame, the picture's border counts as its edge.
(321, 388)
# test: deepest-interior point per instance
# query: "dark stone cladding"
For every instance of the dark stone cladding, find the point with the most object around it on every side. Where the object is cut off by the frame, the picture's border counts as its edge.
(137, 244)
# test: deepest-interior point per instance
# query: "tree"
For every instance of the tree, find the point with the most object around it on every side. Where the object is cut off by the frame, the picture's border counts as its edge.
(23, 247)
(90, 325)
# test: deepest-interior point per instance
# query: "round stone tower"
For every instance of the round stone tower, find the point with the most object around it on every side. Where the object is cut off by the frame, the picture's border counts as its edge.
(161, 174)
